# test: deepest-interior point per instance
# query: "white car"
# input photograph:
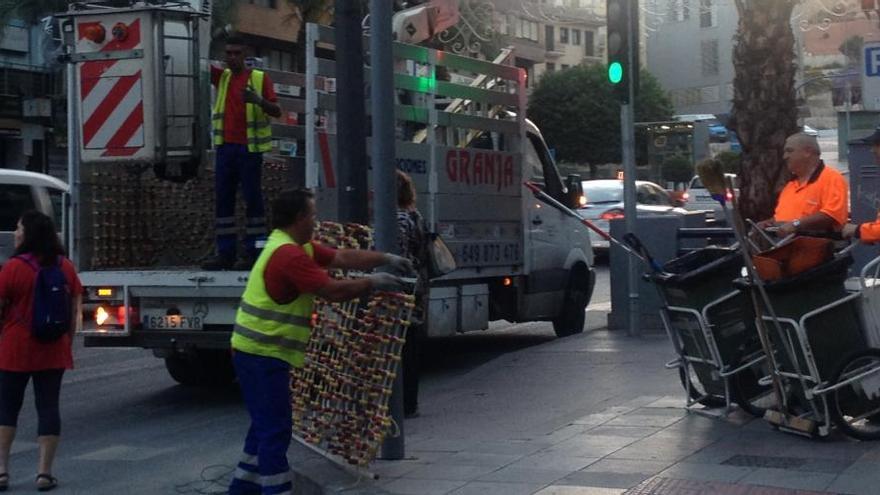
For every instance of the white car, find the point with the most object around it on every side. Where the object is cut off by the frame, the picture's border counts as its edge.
(21, 191)
(698, 198)
(604, 202)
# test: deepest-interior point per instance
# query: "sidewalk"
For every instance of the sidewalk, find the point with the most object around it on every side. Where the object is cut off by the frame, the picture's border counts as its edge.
(595, 414)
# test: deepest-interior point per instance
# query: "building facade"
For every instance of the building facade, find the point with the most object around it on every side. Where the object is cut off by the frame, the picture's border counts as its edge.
(689, 47)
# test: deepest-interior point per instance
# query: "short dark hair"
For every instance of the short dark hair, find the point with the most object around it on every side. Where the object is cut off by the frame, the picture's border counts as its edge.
(288, 206)
(406, 191)
(234, 39)
(40, 238)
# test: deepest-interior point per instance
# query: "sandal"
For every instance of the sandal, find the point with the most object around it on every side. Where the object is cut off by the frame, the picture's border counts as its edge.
(4, 482)
(46, 482)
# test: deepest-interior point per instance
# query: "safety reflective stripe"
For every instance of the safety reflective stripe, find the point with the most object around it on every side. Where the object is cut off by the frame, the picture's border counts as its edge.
(248, 459)
(276, 340)
(268, 314)
(275, 479)
(245, 475)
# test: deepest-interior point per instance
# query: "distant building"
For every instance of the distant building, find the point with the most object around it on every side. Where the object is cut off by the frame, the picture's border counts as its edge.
(689, 50)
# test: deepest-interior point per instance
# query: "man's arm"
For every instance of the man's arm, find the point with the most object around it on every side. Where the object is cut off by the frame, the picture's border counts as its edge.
(817, 222)
(358, 259)
(343, 290)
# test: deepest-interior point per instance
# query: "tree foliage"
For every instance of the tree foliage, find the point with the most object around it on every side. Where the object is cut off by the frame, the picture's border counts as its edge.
(580, 117)
(852, 48)
(677, 168)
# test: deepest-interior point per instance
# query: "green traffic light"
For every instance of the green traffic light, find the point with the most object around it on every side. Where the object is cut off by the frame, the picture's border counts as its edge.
(615, 72)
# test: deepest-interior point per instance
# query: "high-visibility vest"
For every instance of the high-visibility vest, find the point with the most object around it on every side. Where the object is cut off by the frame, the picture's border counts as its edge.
(259, 131)
(266, 328)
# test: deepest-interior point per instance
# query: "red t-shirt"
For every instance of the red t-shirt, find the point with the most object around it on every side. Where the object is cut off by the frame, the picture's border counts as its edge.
(19, 350)
(234, 120)
(291, 272)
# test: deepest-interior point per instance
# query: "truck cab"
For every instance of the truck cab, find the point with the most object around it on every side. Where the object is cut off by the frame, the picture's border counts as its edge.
(21, 191)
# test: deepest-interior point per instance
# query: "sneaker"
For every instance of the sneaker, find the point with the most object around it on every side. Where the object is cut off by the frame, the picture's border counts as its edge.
(245, 263)
(218, 262)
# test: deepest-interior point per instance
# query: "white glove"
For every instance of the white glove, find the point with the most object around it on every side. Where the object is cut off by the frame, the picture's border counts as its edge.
(849, 230)
(399, 264)
(386, 282)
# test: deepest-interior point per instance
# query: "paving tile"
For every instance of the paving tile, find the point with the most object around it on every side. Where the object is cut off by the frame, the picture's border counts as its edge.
(587, 445)
(831, 466)
(124, 453)
(788, 479)
(855, 484)
(512, 474)
(395, 469)
(482, 459)
(554, 461)
(427, 455)
(454, 472)
(669, 401)
(626, 466)
(491, 488)
(508, 448)
(704, 472)
(604, 480)
(595, 419)
(562, 434)
(672, 486)
(643, 420)
(422, 487)
(624, 431)
(656, 449)
(578, 490)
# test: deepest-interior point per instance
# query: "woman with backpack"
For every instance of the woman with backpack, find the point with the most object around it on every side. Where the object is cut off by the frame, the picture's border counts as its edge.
(40, 298)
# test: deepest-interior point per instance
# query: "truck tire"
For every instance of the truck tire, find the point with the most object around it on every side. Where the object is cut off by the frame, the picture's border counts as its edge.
(573, 315)
(201, 368)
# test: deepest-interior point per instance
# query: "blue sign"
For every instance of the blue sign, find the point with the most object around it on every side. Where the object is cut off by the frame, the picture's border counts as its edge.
(872, 61)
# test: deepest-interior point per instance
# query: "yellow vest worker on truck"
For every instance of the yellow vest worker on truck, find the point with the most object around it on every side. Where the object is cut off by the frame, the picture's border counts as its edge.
(816, 197)
(272, 328)
(868, 232)
(242, 133)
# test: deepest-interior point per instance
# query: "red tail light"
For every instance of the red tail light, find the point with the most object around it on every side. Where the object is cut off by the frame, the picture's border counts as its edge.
(685, 196)
(95, 33)
(611, 215)
(729, 195)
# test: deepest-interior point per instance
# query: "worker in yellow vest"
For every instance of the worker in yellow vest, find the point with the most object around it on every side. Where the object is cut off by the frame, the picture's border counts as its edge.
(273, 324)
(242, 133)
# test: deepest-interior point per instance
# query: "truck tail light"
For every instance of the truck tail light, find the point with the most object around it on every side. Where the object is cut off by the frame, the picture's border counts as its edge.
(95, 33)
(101, 315)
(120, 31)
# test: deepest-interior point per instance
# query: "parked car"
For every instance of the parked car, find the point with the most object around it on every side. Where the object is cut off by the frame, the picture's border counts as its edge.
(21, 191)
(810, 131)
(604, 202)
(698, 198)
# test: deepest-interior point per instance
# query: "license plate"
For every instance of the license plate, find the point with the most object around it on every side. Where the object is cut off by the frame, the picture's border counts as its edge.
(173, 322)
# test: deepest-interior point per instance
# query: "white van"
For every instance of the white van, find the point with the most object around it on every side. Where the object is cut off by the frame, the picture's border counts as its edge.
(21, 191)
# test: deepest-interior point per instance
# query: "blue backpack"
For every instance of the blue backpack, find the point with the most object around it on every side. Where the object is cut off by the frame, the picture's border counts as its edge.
(51, 316)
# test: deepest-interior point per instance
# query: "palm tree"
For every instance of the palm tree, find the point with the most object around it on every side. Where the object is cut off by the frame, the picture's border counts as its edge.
(764, 107)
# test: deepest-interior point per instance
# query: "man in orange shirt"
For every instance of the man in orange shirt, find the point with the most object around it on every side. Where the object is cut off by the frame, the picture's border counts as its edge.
(868, 232)
(815, 199)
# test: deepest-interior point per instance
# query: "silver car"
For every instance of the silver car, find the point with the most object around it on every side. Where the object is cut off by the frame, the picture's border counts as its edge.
(604, 202)
(698, 198)
(21, 191)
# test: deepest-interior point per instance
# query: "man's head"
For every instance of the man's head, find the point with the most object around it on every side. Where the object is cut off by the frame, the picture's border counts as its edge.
(874, 141)
(294, 212)
(235, 53)
(801, 154)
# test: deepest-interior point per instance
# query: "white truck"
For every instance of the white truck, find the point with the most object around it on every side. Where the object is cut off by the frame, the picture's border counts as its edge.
(143, 187)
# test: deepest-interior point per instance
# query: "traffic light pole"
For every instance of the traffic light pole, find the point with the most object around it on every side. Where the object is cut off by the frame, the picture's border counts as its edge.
(628, 155)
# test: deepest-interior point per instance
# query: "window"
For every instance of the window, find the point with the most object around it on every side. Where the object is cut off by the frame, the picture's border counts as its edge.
(576, 37)
(543, 171)
(563, 35)
(551, 67)
(512, 24)
(14, 200)
(528, 30)
(709, 56)
(707, 14)
(678, 10)
(589, 44)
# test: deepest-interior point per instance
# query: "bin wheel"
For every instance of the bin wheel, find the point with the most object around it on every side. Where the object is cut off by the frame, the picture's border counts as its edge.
(697, 392)
(856, 411)
(749, 395)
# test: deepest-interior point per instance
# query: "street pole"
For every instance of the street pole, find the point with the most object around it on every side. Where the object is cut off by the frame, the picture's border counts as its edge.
(351, 153)
(627, 121)
(384, 178)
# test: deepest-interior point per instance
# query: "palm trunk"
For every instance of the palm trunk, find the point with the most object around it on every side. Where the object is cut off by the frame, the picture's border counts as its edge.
(764, 107)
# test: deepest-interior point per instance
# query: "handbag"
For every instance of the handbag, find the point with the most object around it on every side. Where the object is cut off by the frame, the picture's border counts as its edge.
(440, 258)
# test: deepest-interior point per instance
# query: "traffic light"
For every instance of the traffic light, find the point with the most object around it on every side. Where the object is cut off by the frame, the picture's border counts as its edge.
(622, 29)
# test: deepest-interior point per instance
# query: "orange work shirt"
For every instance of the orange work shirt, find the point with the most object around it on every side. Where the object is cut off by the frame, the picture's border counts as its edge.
(825, 192)
(869, 232)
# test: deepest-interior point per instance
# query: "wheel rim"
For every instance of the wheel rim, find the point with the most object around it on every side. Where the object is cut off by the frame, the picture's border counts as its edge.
(857, 404)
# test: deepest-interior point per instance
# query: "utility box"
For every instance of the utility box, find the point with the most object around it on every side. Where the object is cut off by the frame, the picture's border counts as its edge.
(658, 235)
(140, 82)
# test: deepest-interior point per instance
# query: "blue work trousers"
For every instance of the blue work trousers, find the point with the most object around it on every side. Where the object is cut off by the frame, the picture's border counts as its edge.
(236, 165)
(265, 386)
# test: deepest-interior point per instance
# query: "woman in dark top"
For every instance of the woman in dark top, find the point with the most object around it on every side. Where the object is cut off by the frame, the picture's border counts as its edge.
(22, 356)
(413, 240)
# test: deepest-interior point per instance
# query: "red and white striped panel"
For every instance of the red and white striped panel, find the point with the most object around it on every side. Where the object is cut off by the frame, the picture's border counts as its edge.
(111, 92)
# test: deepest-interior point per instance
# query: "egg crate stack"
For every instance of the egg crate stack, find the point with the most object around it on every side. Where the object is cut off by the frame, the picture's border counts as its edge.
(138, 220)
(341, 395)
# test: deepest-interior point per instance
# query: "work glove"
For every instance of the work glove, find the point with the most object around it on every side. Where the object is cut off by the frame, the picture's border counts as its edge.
(386, 282)
(849, 230)
(399, 264)
(251, 97)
